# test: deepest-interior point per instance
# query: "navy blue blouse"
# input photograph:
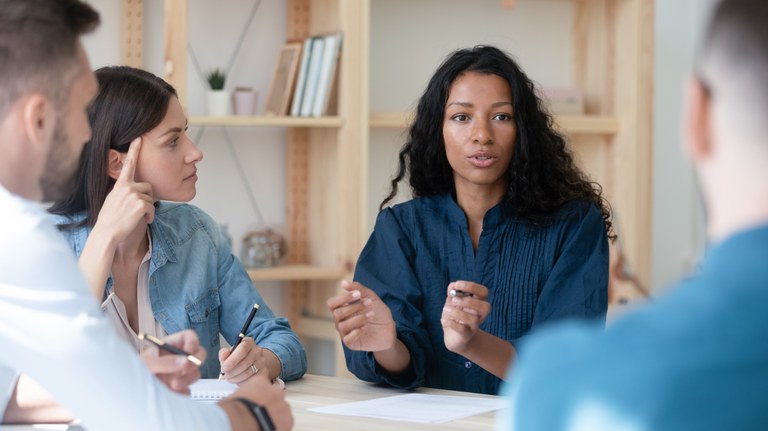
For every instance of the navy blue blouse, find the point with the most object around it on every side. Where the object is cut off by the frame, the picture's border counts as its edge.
(534, 275)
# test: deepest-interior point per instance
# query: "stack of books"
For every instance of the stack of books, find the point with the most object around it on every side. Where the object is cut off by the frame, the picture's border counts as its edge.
(314, 94)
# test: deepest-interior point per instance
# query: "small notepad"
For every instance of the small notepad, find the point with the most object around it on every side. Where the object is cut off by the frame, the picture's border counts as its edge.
(211, 389)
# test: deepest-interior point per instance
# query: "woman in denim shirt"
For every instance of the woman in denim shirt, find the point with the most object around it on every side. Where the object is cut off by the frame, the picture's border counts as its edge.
(160, 267)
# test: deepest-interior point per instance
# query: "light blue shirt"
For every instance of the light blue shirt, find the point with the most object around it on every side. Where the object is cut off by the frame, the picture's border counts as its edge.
(697, 359)
(8, 379)
(51, 329)
(196, 283)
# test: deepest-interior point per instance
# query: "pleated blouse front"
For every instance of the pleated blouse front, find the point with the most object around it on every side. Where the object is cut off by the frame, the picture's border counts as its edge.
(534, 275)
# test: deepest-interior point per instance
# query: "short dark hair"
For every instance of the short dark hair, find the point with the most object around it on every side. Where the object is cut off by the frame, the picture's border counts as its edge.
(38, 47)
(542, 175)
(130, 103)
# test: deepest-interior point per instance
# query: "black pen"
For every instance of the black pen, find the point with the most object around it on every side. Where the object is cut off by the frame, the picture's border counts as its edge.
(169, 348)
(242, 331)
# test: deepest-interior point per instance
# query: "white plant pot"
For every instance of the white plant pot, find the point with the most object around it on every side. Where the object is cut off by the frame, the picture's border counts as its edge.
(219, 102)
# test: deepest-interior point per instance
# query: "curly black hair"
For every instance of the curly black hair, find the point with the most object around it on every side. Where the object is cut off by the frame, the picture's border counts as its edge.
(542, 175)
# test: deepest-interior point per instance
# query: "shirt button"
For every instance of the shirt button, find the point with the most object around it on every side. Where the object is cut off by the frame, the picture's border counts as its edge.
(468, 364)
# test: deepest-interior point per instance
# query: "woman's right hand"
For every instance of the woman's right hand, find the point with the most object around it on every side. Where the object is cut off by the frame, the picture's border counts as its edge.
(362, 319)
(123, 209)
(128, 203)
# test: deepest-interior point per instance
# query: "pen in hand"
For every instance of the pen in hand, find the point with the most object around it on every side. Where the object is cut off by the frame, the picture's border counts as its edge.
(242, 332)
(456, 292)
(169, 348)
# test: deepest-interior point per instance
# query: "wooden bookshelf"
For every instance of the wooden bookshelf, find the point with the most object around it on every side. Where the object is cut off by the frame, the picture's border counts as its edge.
(295, 273)
(319, 328)
(571, 124)
(266, 120)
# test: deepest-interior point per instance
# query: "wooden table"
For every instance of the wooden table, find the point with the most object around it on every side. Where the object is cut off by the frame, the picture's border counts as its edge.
(316, 391)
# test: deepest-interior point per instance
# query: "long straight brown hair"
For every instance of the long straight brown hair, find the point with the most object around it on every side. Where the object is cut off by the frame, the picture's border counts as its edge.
(130, 103)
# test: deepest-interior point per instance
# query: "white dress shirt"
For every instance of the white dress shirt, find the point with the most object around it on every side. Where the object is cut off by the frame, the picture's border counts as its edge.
(51, 328)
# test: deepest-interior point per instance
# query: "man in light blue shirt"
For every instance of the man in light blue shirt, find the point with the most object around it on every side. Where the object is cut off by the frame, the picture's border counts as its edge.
(698, 357)
(51, 328)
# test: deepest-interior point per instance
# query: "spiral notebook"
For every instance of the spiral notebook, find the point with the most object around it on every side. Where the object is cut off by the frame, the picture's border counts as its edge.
(211, 389)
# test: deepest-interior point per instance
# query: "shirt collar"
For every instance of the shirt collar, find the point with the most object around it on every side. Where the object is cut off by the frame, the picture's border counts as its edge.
(493, 217)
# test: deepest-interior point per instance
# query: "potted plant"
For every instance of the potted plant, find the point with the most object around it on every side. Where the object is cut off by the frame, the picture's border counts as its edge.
(218, 97)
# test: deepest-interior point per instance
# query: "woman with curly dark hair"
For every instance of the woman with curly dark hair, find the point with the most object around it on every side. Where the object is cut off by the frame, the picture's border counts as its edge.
(504, 234)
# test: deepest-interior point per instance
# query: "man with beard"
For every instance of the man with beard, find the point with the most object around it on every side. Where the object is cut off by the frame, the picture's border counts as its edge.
(51, 328)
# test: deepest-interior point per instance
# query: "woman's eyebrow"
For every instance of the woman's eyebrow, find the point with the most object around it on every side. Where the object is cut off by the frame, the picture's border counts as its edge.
(469, 104)
(175, 130)
(172, 130)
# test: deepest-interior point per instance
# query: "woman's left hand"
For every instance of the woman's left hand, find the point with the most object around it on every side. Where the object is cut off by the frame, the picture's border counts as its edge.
(246, 361)
(463, 313)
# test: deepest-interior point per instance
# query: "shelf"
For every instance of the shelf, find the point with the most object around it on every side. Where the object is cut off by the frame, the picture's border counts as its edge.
(573, 124)
(265, 120)
(390, 120)
(295, 272)
(317, 327)
(588, 124)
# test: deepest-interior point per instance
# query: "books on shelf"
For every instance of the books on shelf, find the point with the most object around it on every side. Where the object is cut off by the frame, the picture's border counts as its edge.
(328, 67)
(314, 90)
(313, 75)
(301, 80)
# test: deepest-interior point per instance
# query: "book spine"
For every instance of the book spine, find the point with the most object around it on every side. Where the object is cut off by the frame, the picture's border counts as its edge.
(313, 75)
(298, 92)
(327, 70)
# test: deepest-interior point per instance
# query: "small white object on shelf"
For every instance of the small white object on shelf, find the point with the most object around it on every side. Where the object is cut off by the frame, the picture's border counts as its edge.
(218, 103)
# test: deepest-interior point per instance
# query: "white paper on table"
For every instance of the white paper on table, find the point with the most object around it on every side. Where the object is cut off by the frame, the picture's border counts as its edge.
(211, 389)
(422, 408)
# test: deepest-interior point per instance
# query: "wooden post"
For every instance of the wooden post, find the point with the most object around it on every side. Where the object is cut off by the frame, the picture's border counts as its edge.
(353, 138)
(613, 64)
(132, 33)
(175, 57)
(297, 184)
(634, 142)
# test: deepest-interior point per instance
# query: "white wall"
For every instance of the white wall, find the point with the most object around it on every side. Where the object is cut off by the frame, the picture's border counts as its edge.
(678, 232)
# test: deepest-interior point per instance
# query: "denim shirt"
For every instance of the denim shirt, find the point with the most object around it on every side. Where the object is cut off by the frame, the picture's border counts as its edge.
(196, 283)
(534, 275)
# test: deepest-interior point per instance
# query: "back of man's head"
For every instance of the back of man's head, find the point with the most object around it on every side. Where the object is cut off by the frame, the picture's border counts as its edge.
(38, 47)
(733, 64)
